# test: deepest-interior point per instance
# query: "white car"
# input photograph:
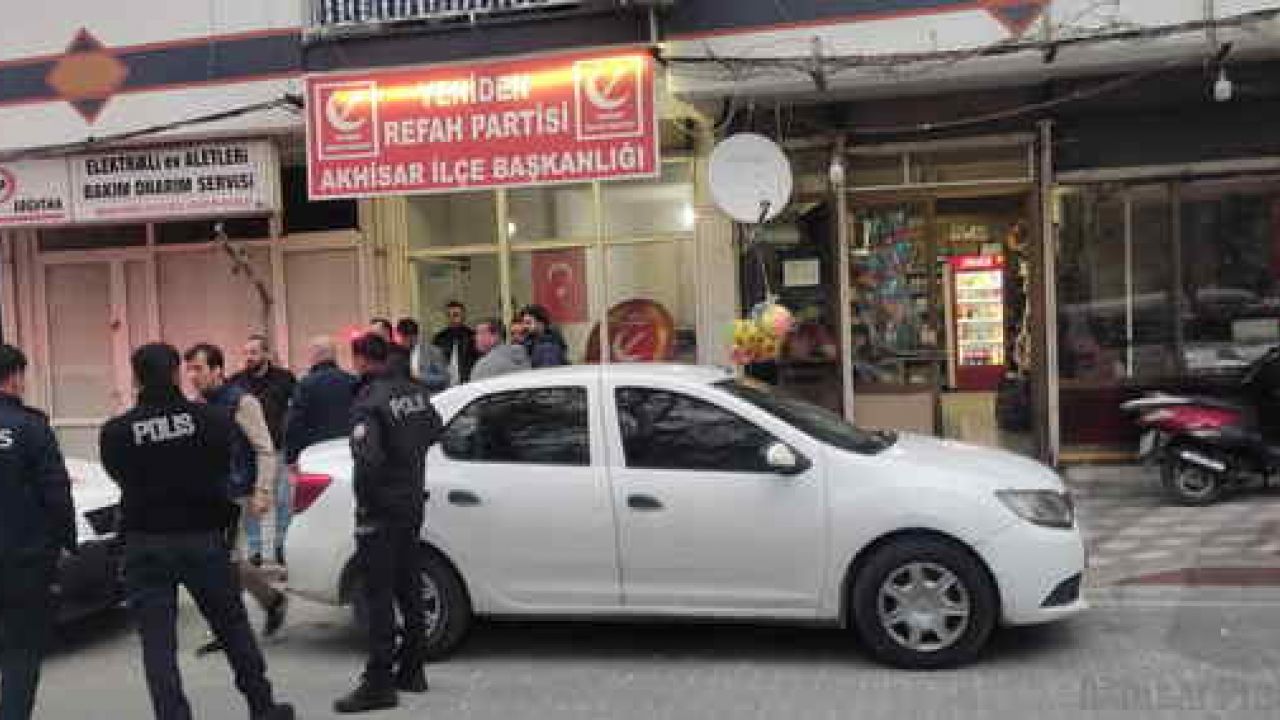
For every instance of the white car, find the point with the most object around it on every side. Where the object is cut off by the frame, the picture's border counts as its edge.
(642, 491)
(91, 580)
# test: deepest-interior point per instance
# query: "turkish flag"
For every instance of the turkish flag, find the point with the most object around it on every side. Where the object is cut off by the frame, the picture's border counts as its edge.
(560, 284)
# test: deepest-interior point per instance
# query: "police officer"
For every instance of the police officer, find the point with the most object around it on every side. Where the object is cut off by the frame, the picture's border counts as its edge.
(393, 425)
(37, 521)
(171, 458)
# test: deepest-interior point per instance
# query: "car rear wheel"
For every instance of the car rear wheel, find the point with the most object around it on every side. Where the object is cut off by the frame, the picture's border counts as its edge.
(446, 605)
(924, 603)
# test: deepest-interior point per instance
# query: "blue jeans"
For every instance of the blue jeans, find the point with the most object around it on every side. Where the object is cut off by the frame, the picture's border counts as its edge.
(26, 620)
(154, 567)
(283, 514)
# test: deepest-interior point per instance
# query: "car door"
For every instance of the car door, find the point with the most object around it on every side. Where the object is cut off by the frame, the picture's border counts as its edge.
(521, 500)
(704, 523)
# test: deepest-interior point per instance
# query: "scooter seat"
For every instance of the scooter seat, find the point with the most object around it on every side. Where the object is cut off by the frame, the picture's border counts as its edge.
(1220, 404)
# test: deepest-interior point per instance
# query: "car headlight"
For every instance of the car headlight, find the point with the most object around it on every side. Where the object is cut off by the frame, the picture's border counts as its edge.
(1041, 507)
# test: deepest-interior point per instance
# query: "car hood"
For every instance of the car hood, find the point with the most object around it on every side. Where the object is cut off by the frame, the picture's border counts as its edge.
(973, 464)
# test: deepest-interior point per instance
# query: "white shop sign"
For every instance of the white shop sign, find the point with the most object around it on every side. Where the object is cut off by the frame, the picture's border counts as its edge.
(34, 192)
(207, 179)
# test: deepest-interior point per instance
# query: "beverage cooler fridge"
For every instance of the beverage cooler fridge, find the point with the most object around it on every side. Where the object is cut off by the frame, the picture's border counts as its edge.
(975, 313)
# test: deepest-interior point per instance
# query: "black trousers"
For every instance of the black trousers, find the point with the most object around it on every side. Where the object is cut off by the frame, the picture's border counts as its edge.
(154, 567)
(26, 623)
(389, 560)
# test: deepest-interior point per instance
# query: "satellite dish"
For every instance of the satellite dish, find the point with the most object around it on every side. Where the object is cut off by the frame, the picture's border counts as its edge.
(750, 178)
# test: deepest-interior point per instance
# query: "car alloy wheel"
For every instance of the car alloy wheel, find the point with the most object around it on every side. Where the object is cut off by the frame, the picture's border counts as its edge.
(924, 607)
(432, 605)
(447, 608)
(923, 602)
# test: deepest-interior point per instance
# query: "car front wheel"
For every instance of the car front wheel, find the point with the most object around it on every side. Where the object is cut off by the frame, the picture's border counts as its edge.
(446, 606)
(924, 603)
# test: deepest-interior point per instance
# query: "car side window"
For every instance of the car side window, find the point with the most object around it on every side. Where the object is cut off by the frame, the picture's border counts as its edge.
(662, 430)
(543, 426)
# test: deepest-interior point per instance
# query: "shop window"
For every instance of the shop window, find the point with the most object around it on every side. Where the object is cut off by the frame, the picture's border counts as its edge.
(559, 280)
(651, 293)
(473, 280)
(891, 268)
(645, 208)
(1145, 303)
(1010, 163)
(875, 171)
(93, 237)
(302, 215)
(552, 213)
(195, 232)
(453, 220)
(1231, 274)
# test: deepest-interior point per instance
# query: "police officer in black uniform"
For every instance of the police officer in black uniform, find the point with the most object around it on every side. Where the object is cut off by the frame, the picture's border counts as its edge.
(37, 523)
(171, 458)
(393, 425)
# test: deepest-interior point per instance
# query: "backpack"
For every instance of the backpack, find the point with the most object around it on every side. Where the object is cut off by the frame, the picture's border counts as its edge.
(244, 465)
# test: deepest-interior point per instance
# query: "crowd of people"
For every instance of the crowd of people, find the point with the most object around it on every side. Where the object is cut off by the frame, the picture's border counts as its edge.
(206, 480)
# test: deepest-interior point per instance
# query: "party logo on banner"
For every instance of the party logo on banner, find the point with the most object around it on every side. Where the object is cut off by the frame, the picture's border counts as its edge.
(347, 120)
(610, 99)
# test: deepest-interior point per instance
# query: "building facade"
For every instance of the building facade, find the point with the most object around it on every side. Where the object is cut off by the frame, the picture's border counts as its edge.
(1009, 215)
(129, 136)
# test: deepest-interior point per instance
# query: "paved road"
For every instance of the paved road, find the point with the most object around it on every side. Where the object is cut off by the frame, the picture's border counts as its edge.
(1151, 653)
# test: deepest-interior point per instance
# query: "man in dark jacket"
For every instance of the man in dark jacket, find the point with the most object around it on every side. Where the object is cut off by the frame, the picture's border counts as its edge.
(171, 459)
(37, 522)
(393, 425)
(545, 344)
(273, 386)
(457, 342)
(321, 406)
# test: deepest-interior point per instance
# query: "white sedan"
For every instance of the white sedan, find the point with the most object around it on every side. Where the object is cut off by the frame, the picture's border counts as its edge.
(641, 491)
(91, 580)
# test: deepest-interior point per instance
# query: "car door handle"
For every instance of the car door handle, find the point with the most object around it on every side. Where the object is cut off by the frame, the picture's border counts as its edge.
(464, 498)
(643, 502)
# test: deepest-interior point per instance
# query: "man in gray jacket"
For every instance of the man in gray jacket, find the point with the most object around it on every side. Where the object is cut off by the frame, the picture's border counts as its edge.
(497, 356)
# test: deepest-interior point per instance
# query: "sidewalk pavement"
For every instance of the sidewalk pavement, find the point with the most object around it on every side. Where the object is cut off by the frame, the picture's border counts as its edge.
(1136, 535)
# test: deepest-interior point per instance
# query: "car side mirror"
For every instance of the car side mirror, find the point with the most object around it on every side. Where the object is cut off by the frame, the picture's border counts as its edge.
(783, 460)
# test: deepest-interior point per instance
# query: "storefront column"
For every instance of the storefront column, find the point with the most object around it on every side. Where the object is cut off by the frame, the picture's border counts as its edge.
(717, 265)
(391, 279)
(1045, 338)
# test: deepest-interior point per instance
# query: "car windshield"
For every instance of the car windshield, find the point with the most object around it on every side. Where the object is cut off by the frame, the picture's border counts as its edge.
(817, 422)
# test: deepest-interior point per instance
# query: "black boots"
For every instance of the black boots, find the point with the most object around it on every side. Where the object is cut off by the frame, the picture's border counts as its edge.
(276, 614)
(367, 697)
(411, 680)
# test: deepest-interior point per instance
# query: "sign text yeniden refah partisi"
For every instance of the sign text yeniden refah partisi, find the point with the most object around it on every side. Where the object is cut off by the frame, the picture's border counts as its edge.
(531, 121)
(207, 179)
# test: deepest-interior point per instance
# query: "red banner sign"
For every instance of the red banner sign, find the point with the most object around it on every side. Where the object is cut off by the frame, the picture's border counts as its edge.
(514, 123)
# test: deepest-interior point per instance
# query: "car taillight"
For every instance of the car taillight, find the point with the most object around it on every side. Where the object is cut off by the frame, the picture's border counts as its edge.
(307, 488)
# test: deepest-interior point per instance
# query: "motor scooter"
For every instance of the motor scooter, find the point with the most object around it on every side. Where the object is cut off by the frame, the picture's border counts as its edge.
(1207, 446)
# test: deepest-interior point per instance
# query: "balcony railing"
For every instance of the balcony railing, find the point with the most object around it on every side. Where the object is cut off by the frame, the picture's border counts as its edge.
(340, 14)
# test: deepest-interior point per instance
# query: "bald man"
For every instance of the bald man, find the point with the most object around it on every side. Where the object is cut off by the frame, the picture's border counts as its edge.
(321, 406)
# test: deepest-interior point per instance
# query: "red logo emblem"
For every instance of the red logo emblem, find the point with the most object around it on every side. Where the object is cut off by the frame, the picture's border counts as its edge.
(610, 97)
(346, 120)
(8, 185)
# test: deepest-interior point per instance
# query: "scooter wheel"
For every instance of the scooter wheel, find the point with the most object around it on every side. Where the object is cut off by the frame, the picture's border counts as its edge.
(1190, 484)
